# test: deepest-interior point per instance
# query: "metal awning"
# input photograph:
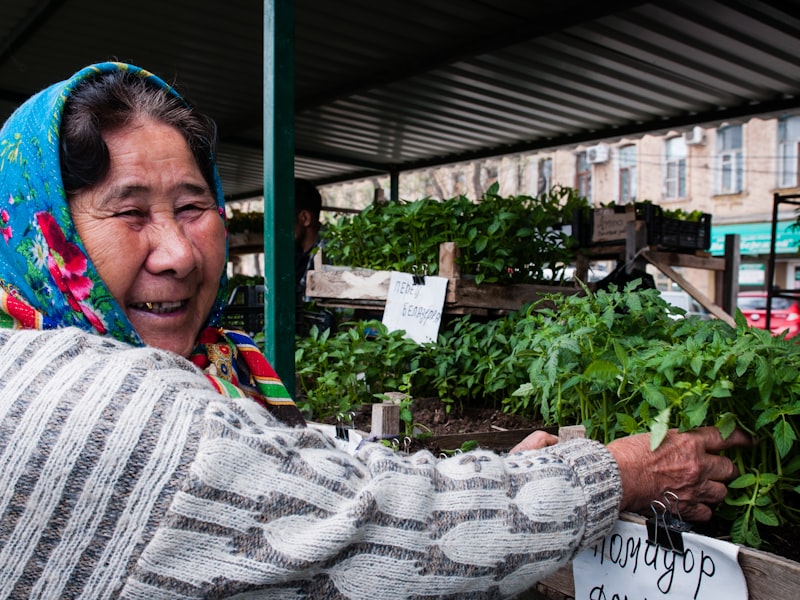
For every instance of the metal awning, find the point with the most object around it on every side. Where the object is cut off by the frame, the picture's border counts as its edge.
(394, 85)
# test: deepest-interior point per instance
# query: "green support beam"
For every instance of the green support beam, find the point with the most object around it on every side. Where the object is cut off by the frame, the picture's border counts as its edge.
(279, 308)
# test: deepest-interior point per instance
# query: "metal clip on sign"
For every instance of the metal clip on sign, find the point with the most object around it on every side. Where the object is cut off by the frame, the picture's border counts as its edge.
(419, 278)
(342, 429)
(666, 528)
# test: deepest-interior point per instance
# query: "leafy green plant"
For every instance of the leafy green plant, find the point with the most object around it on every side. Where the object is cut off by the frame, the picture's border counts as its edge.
(679, 214)
(467, 365)
(340, 372)
(246, 222)
(500, 239)
(591, 364)
(615, 361)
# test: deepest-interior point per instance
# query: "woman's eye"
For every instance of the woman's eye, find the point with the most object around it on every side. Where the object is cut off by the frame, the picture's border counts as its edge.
(193, 209)
(132, 213)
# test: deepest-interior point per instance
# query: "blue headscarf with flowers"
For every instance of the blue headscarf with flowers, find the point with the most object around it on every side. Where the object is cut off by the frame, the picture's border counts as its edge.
(47, 279)
(42, 260)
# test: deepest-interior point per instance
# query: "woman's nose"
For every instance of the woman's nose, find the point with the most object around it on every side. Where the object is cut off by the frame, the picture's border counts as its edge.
(170, 249)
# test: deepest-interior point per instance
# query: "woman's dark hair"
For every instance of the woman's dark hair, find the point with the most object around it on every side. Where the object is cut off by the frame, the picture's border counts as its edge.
(114, 99)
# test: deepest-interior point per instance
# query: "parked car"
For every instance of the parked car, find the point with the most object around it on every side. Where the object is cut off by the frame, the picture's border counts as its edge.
(785, 312)
(683, 300)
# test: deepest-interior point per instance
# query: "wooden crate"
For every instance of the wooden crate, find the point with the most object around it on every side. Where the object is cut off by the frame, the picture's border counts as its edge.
(365, 288)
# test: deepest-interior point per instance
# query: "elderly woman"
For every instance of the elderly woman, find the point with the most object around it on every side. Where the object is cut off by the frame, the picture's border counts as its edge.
(145, 452)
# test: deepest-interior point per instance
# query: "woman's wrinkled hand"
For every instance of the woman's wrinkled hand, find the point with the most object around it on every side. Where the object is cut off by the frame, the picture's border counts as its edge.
(686, 464)
(536, 441)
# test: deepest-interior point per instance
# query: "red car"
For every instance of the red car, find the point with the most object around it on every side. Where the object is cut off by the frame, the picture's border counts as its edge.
(785, 312)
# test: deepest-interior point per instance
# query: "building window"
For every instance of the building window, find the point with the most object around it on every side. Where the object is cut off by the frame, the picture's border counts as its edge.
(545, 178)
(729, 160)
(675, 168)
(627, 174)
(583, 176)
(789, 152)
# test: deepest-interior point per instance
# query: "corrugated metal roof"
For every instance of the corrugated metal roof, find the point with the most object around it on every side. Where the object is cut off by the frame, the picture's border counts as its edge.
(401, 84)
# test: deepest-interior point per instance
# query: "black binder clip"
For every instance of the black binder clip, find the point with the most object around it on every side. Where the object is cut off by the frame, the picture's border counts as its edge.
(342, 429)
(419, 278)
(666, 528)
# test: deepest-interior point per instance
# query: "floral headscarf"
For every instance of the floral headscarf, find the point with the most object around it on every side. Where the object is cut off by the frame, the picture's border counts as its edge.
(46, 277)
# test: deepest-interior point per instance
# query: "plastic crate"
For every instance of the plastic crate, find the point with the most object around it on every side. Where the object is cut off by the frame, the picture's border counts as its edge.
(677, 233)
(249, 320)
(245, 309)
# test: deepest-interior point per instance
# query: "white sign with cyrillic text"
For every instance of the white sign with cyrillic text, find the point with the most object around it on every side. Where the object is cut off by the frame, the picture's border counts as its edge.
(624, 566)
(415, 307)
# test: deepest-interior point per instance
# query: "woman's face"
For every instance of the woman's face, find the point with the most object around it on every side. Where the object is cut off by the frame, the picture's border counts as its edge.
(153, 231)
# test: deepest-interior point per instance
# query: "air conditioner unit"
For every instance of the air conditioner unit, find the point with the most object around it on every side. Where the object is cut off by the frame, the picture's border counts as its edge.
(695, 137)
(597, 154)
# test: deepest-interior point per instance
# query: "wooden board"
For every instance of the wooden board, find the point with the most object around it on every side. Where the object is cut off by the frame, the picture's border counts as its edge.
(364, 285)
(341, 286)
(499, 441)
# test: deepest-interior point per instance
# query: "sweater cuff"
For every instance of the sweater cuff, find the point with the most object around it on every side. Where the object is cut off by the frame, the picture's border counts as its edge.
(598, 474)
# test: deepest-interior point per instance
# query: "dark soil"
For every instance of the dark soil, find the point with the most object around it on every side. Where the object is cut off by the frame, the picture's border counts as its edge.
(443, 432)
(437, 430)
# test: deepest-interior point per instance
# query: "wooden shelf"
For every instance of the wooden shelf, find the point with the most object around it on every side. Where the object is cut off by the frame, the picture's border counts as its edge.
(365, 288)
(636, 252)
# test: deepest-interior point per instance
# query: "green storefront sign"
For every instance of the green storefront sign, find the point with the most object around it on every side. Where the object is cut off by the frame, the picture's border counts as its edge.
(754, 238)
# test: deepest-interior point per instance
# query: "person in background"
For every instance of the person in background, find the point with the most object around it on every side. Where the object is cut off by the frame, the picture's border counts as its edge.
(307, 242)
(145, 452)
(307, 209)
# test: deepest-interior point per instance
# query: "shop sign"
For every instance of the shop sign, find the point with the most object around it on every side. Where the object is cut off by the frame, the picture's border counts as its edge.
(755, 238)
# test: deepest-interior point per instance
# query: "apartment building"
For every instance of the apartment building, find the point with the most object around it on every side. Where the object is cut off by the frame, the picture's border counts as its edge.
(731, 171)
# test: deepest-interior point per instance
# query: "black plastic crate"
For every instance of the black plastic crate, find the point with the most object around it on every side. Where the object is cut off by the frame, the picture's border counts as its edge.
(677, 233)
(245, 309)
(249, 320)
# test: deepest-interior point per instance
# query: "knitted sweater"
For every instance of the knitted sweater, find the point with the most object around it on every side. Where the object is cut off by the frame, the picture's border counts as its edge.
(124, 475)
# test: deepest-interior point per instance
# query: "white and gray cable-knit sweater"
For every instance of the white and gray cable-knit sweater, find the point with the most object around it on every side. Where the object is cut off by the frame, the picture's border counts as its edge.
(124, 475)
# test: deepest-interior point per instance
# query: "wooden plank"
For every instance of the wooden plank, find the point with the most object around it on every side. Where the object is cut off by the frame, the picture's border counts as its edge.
(571, 432)
(504, 297)
(493, 440)
(692, 261)
(769, 576)
(729, 293)
(385, 419)
(450, 269)
(245, 243)
(348, 284)
(707, 302)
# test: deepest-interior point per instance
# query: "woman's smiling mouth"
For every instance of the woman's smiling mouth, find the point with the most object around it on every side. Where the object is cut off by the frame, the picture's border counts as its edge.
(160, 308)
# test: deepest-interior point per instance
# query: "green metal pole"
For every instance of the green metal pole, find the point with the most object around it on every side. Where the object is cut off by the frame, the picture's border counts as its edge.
(279, 320)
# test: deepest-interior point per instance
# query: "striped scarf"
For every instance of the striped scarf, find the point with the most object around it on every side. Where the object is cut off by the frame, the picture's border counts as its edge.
(237, 369)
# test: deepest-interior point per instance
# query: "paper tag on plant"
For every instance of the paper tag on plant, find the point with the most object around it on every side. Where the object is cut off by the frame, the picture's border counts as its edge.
(414, 304)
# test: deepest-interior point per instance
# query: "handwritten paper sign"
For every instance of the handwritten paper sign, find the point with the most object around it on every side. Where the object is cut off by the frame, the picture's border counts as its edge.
(610, 225)
(624, 566)
(415, 307)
